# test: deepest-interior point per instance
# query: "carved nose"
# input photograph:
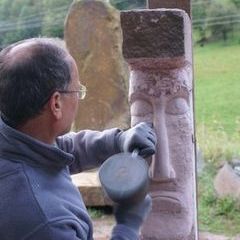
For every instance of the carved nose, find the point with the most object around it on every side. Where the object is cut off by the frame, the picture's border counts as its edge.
(161, 168)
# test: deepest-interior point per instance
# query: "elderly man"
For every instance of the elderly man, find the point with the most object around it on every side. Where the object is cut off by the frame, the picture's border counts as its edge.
(39, 93)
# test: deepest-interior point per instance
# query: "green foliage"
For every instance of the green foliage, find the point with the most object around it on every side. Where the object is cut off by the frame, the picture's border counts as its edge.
(126, 4)
(95, 212)
(222, 25)
(236, 3)
(199, 12)
(17, 25)
(216, 144)
(98, 212)
(55, 13)
(26, 28)
(214, 20)
(20, 19)
(227, 206)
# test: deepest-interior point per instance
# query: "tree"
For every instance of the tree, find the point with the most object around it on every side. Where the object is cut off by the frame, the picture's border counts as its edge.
(199, 14)
(23, 20)
(236, 3)
(220, 20)
(30, 19)
(5, 18)
(126, 4)
(53, 22)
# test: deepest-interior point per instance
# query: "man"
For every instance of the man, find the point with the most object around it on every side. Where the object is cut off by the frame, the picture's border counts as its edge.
(39, 93)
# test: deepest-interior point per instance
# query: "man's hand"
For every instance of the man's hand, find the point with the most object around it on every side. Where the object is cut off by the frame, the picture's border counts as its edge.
(132, 216)
(141, 137)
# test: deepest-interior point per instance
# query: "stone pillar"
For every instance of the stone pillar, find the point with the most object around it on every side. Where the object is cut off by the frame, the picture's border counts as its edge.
(181, 4)
(94, 38)
(157, 45)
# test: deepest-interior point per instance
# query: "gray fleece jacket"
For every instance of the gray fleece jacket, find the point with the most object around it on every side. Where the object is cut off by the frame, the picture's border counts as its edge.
(37, 198)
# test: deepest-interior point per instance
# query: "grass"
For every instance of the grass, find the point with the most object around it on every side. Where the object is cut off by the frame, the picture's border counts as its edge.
(220, 216)
(217, 85)
(217, 100)
(217, 104)
(99, 212)
(216, 144)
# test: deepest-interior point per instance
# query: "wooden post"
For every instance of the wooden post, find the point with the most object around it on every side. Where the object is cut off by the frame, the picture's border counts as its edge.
(181, 4)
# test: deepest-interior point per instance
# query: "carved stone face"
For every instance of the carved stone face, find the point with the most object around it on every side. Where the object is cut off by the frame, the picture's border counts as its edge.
(164, 98)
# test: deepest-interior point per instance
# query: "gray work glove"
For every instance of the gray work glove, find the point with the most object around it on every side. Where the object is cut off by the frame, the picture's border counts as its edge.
(141, 137)
(132, 216)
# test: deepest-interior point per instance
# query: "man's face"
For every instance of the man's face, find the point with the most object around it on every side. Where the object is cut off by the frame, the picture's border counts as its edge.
(164, 99)
(70, 101)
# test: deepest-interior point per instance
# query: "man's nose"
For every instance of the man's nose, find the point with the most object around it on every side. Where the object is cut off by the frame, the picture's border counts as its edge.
(161, 168)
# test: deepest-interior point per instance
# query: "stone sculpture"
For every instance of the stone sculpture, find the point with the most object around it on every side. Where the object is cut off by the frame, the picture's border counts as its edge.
(94, 38)
(157, 47)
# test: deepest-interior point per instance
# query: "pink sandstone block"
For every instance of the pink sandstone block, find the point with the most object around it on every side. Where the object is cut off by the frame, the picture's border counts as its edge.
(152, 34)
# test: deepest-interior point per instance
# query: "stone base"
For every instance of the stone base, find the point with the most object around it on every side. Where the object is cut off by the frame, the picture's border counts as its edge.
(90, 188)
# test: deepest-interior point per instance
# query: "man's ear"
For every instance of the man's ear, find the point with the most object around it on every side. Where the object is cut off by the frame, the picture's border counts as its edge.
(55, 103)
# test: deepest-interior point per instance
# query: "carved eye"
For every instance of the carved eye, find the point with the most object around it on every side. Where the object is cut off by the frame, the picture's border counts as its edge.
(177, 106)
(141, 108)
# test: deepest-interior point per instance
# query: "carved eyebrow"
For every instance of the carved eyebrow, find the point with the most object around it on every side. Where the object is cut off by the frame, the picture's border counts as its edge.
(184, 90)
(138, 96)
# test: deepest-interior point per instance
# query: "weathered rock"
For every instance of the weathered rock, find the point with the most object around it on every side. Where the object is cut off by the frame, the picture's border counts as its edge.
(93, 36)
(227, 182)
(90, 188)
(143, 31)
(237, 237)
(181, 4)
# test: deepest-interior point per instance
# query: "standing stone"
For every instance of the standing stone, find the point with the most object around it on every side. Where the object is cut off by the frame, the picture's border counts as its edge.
(157, 45)
(93, 36)
(227, 182)
(181, 4)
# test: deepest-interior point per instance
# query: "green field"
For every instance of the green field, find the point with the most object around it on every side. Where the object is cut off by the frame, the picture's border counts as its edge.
(217, 103)
(216, 215)
(217, 100)
(217, 86)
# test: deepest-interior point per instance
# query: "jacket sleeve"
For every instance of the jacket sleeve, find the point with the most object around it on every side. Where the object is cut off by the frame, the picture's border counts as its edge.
(67, 232)
(64, 230)
(90, 148)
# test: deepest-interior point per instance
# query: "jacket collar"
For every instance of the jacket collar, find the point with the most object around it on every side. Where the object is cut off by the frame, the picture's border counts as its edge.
(17, 146)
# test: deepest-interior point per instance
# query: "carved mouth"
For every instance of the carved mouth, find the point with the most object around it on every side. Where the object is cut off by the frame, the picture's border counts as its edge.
(166, 203)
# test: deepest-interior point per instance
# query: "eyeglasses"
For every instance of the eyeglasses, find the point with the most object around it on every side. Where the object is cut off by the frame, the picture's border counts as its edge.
(81, 93)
